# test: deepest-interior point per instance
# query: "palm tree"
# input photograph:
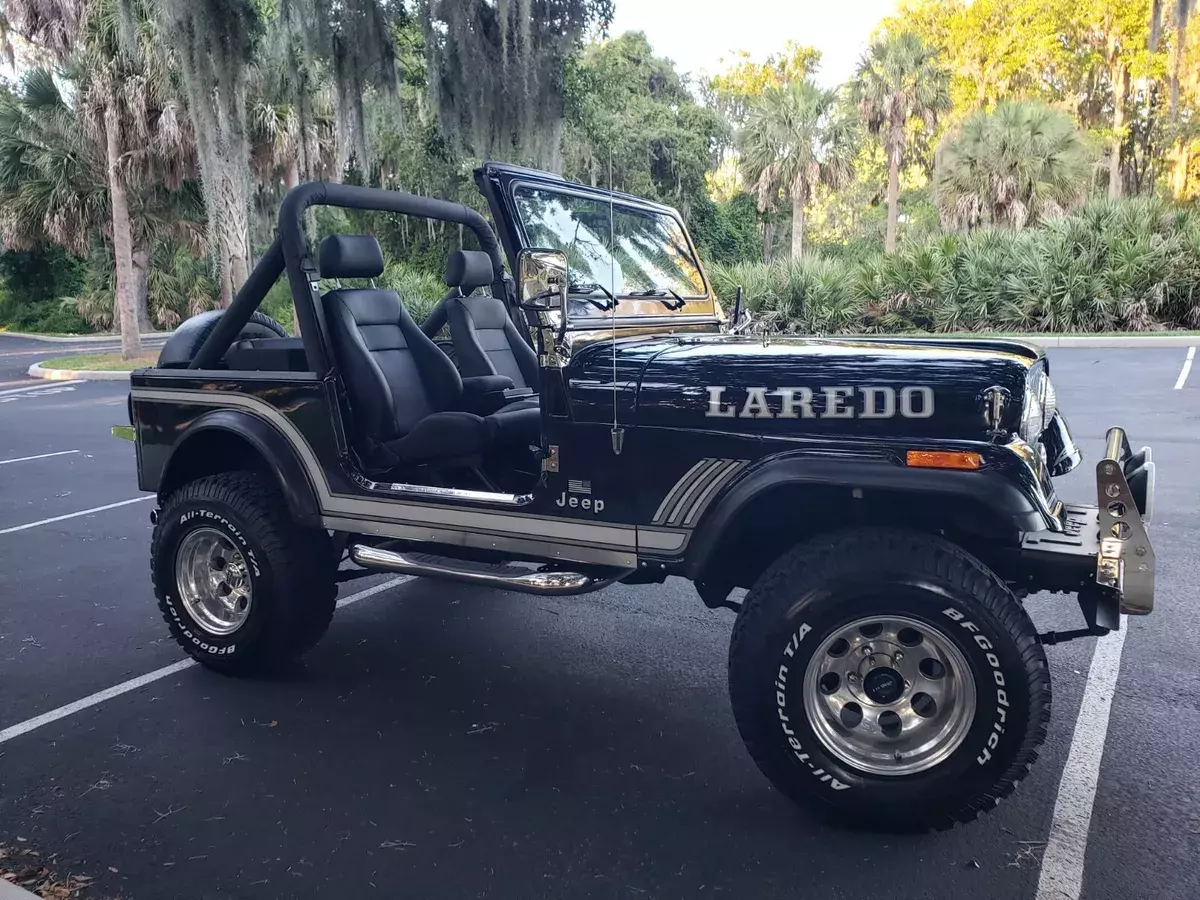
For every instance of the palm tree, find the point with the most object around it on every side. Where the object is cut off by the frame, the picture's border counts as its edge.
(899, 80)
(55, 28)
(53, 187)
(1021, 164)
(791, 143)
(293, 128)
(213, 42)
(123, 132)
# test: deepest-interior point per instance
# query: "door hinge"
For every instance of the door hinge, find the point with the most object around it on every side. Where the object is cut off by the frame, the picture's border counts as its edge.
(550, 461)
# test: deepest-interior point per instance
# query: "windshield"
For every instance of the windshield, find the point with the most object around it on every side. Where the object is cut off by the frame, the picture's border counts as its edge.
(651, 250)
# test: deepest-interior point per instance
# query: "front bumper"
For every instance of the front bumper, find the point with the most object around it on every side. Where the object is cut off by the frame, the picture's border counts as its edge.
(1108, 541)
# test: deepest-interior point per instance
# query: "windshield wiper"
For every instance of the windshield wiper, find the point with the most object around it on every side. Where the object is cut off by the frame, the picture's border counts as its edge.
(659, 294)
(585, 288)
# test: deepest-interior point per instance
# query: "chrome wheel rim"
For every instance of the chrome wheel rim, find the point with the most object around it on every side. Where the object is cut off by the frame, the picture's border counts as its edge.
(213, 581)
(889, 695)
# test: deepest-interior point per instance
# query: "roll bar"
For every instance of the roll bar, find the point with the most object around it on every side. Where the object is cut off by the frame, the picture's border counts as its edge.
(290, 252)
(240, 309)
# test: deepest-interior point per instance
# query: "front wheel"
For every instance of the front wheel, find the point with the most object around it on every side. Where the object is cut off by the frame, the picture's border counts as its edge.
(889, 680)
(241, 586)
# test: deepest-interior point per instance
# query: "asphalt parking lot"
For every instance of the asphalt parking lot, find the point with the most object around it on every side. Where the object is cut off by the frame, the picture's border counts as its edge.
(445, 741)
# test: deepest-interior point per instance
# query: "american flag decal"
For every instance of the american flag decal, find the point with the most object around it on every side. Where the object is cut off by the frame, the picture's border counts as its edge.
(578, 486)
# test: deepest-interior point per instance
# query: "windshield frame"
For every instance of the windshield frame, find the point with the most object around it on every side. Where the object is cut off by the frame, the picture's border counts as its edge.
(635, 204)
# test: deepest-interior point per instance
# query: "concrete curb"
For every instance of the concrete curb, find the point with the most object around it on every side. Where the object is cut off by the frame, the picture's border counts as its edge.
(9, 891)
(36, 371)
(1112, 342)
(1115, 342)
(81, 338)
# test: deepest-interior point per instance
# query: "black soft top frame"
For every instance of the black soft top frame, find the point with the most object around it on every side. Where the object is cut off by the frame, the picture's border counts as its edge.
(290, 251)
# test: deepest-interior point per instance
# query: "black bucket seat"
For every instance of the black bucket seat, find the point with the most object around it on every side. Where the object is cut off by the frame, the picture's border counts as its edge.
(486, 341)
(406, 396)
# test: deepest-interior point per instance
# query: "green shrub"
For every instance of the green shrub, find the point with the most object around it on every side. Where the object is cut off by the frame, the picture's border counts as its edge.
(278, 303)
(1129, 265)
(33, 282)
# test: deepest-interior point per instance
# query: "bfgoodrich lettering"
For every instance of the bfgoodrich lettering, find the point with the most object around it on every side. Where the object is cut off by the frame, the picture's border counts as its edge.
(834, 402)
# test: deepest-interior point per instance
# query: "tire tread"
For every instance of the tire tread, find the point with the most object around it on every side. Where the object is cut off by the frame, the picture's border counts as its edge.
(828, 555)
(300, 561)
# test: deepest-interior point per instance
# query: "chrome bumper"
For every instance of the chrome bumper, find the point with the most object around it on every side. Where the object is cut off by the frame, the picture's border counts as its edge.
(1125, 501)
(1105, 545)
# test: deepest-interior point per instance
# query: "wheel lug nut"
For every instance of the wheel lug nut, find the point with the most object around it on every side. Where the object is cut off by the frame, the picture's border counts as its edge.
(866, 651)
(897, 656)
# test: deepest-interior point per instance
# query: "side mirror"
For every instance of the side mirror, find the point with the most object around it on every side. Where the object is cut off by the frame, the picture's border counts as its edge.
(542, 279)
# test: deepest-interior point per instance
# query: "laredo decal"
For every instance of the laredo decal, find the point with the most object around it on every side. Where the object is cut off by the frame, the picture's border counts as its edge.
(914, 402)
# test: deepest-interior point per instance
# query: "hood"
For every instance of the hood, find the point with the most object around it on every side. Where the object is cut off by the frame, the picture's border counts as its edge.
(865, 387)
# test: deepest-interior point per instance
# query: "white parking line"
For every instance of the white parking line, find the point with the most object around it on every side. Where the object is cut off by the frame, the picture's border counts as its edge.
(75, 515)
(1187, 367)
(51, 386)
(133, 684)
(99, 697)
(372, 591)
(5, 462)
(1066, 847)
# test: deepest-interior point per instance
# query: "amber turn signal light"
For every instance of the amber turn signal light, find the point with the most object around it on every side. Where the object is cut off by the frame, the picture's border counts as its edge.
(943, 459)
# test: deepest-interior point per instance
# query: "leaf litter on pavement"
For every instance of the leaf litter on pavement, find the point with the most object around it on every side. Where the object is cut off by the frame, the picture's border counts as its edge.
(25, 868)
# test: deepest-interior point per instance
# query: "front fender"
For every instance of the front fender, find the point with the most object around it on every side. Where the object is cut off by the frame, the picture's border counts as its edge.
(213, 432)
(999, 499)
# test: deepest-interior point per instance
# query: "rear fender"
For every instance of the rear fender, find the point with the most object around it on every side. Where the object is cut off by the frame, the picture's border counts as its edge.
(226, 439)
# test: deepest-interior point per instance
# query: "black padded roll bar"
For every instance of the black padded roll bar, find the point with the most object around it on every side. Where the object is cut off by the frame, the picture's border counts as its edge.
(240, 309)
(301, 269)
(290, 251)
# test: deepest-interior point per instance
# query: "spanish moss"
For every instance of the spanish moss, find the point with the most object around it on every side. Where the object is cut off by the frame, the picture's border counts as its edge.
(496, 71)
(214, 42)
(354, 39)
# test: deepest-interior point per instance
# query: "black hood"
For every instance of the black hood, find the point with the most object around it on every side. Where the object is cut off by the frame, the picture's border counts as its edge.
(784, 385)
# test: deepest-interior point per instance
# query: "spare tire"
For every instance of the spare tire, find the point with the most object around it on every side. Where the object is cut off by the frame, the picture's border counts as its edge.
(181, 347)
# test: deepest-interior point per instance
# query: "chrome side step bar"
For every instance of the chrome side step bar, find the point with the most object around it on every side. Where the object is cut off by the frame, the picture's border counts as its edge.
(544, 583)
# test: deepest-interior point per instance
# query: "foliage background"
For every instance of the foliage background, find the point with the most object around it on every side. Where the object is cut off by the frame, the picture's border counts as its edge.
(1081, 115)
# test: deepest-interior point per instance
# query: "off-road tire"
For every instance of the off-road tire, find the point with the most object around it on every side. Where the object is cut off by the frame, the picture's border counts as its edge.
(294, 591)
(838, 578)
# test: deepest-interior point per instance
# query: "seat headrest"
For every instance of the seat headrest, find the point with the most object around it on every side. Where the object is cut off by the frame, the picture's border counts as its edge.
(469, 269)
(350, 256)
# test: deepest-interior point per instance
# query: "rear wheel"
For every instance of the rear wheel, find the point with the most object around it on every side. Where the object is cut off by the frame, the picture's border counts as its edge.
(889, 680)
(242, 587)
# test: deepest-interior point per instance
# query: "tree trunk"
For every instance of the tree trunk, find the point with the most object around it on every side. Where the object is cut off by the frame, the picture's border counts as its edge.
(291, 173)
(768, 240)
(1120, 82)
(893, 201)
(1179, 173)
(131, 339)
(141, 285)
(1176, 63)
(797, 228)
(226, 284)
(233, 225)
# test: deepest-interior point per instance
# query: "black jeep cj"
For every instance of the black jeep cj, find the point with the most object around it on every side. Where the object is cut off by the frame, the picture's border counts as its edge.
(887, 503)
